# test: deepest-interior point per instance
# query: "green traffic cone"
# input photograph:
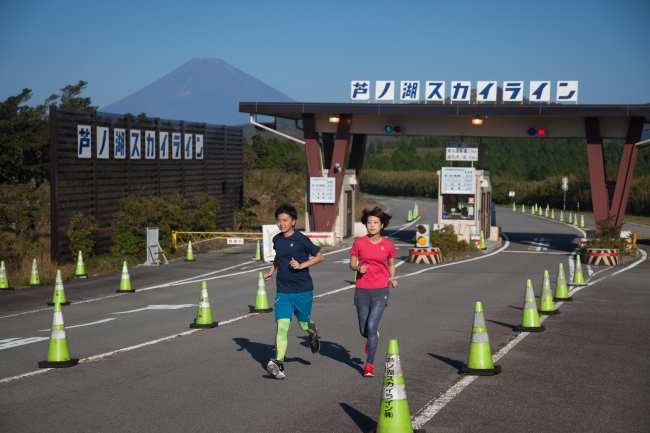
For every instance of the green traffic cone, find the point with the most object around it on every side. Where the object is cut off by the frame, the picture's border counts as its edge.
(258, 254)
(4, 282)
(561, 288)
(261, 300)
(204, 313)
(523, 208)
(58, 355)
(80, 271)
(483, 247)
(561, 216)
(546, 304)
(59, 293)
(552, 214)
(34, 278)
(539, 211)
(570, 219)
(409, 218)
(530, 318)
(582, 222)
(578, 278)
(513, 207)
(125, 282)
(479, 361)
(190, 253)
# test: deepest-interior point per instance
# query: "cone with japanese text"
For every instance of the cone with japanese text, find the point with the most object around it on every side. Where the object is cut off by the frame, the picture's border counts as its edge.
(59, 293)
(125, 282)
(4, 282)
(483, 247)
(578, 278)
(546, 304)
(204, 314)
(258, 253)
(58, 355)
(261, 300)
(530, 318)
(582, 222)
(394, 414)
(80, 270)
(190, 253)
(561, 288)
(34, 278)
(479, 360)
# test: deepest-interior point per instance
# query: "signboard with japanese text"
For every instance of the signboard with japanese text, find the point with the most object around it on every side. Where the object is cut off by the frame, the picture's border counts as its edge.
(409, 91)
(457, 180)
(567, 91)
(268, 231)
(360, 90)
(486, 91)
(384, 90)
(102, 142)
(461, 90)
(322, 189)
(83, 141)
(435, 91)
(462, 151)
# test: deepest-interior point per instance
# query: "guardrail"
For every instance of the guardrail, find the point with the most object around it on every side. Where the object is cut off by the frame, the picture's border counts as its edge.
(181, 239)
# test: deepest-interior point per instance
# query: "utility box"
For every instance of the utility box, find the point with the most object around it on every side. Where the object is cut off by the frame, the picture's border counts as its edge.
(464, 198)
(152, 247)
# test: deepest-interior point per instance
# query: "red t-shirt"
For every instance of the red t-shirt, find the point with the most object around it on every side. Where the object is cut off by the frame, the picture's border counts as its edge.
(374, 256)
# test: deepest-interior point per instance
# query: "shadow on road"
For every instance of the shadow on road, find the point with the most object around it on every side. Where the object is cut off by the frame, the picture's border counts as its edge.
(262, 352)
(363, 421)
(516, 308)
(453, 362)
(507, 325)
(336, 352)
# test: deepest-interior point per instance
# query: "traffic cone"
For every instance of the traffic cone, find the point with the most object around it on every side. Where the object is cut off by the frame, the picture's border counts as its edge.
(483, 247)
(355, 276)
(409, 218)
(204, 314)
(582, 221)
(578, 278)
(190, 253)
(561, 288)
(539, 211)
(479, 361)
(34, 279)
(125, 282)
(258, 255)
(561, 216)
(58, 355)
(416, 211)
(394, 414)
(546, 213)
(552, 214)
(80, 271)
(523, 208)
(4, 283)
(530, 318)
(59, 293)
(575, 220)
(570, 219)
(513, 207)
(546, 304)
(261, 301)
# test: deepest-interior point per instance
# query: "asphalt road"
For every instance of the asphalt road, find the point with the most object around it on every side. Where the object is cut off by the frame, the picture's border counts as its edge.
(215, 380)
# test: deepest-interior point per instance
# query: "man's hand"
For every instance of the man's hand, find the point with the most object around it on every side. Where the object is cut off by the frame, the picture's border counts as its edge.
(268, 276)
(293, 264)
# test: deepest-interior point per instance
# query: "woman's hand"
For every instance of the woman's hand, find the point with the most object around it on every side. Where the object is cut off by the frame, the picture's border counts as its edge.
(363, 269)
(393, 282)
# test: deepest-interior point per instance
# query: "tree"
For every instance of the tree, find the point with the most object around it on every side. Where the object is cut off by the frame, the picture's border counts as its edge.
(70, 97)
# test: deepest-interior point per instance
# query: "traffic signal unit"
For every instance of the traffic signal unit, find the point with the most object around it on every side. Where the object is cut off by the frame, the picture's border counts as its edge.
(422, 233)
(393, 129)
(537, 131)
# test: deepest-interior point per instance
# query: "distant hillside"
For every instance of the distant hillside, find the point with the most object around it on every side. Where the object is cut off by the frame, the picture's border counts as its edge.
(201, 90)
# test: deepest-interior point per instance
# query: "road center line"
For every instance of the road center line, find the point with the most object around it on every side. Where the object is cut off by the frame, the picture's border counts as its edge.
(85, 324)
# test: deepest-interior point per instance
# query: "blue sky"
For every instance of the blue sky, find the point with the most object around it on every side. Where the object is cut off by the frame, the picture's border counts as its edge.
(312, 50)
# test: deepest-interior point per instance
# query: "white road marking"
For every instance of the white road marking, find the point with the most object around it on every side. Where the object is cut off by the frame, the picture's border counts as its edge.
(158, 307)
(539, 245)
(15, 342)
(433, 407)
(538, 252)
(85, 324)
(344, 261)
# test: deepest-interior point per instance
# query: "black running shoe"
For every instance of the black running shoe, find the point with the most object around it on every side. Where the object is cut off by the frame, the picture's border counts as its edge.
(314, 343)
(276, 368)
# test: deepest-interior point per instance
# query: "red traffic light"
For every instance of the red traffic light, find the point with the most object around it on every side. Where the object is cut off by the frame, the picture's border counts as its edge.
(397, 129)
(537, 131)
(541, 132)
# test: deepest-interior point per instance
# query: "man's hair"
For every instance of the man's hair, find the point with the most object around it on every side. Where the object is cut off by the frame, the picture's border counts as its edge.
(288, 209)
(376, 212)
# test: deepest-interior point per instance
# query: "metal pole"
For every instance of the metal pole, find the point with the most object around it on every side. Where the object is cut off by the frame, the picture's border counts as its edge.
(564, 201)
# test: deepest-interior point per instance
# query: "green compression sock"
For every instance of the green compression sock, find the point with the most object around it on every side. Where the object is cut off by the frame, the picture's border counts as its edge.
(309, 327)
(281, 339)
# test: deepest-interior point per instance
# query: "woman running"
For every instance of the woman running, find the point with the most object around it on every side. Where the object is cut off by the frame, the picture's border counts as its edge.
(373, 258)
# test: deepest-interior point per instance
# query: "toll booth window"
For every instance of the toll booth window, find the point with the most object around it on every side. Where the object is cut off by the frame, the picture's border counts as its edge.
(457, 206)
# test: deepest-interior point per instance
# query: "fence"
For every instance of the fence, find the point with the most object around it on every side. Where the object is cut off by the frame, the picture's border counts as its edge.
(89, 173)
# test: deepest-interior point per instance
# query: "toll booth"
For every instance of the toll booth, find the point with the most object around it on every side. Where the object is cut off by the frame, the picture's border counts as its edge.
(464, 200)
(344, 222)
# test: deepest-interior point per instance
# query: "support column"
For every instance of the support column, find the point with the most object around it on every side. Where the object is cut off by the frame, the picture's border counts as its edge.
(314, 168)
(599, 196)
(339, 156)
(626, 169)
(328, 147)
(357, 153)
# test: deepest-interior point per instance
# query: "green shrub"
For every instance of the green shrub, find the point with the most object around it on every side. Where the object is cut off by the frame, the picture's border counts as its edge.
(80, 230)
(447, 240)
(608, 237)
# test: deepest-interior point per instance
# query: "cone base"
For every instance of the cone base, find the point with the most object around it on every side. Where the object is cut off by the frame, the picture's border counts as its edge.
(60, 303)
(481, 372)
(569, 299)
(211, 325)
(34, 285)
(190, 260)
(539, 328)
(415, 430)
(266, 310)
(58, 364)
(550, 313)
(81, 276)
(576, 284)
(125, 291)
(7, 288)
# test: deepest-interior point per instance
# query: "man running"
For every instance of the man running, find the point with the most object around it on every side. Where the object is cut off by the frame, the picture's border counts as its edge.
(295, 289)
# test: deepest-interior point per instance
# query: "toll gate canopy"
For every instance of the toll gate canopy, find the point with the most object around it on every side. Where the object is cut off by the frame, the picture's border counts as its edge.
(343, 128)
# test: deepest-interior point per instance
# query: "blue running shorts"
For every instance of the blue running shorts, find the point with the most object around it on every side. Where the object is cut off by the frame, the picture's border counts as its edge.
(288, 304)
